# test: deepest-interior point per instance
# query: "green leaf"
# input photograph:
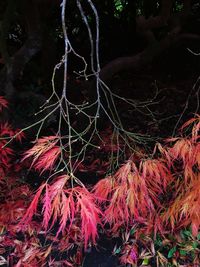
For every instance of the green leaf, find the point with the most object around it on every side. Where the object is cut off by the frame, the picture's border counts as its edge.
(195, 244)
(145, 262)
(187, 233)
(117, 251)
(192, 254)
(132, 231)
(158, 241)
(171, 252)
(198, 237)
(183, 252)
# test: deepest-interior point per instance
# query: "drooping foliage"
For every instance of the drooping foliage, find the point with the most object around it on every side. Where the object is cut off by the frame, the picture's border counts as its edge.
(156, 193)
(149, 194)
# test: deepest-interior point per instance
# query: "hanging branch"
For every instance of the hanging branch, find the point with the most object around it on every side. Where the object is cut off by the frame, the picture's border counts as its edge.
(102, 101)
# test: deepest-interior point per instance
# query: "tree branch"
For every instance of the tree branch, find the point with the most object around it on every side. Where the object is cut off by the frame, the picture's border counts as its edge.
(142, 59)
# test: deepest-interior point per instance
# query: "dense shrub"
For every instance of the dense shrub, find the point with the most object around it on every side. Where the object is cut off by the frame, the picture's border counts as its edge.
(149, 197)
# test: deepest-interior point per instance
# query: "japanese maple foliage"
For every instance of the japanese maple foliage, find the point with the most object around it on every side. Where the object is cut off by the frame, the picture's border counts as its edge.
(7, 132)
(12, 192)
(157, 193)
(126, 196)
(137, 193)
(66, 206)
(44, 153)
(185, 153)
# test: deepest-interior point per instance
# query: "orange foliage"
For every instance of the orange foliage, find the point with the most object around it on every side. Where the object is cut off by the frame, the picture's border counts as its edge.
(184, 209)
(45, 152)
(128, 195)
(141, 194)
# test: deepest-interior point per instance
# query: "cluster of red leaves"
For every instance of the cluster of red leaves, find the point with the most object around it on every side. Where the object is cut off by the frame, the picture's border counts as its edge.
(15, 198)
(45, 152)
(67, 206)
(133, 194)
(28, 251)
(184, 209)
(139, 194)
(129, 254)
(6, 133)
(136, 193)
